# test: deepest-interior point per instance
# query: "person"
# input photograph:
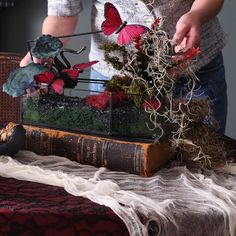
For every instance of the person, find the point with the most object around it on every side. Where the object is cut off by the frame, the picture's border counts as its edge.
(189, 23)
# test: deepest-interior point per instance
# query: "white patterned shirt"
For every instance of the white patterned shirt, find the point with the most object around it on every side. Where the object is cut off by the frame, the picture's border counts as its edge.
(212, 35)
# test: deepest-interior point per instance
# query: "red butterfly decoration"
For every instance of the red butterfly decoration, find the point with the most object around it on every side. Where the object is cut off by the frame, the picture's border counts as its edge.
(58, 85)
(84, 65)
(113, 24)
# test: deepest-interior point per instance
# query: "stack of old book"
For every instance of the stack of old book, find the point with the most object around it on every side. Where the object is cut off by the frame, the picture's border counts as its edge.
(141, 158)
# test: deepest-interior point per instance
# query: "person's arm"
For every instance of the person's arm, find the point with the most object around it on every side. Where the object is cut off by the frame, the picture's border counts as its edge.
(59, 25)
(56, 26)
(61, 20)
(188, 27)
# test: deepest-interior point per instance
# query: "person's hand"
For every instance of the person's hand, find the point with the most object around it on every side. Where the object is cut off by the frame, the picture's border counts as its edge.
(188, 32)
(26, 60)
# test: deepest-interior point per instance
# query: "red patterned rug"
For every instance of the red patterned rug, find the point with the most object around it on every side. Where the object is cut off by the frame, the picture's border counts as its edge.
(28, 208)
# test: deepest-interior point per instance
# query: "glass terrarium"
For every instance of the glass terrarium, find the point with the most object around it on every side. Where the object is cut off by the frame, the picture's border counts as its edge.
(135, 103)
(83, 110)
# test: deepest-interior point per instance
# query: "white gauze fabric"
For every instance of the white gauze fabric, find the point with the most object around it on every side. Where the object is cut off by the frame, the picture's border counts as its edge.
(173, 202)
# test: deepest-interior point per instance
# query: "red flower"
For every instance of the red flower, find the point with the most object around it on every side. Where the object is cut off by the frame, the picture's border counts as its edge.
(46, 77)
(119, 96)
(191, 53)
(58, 85)
(152, 104)
(73, 74)
(101, 101)
(156, 23)
(187, 56)
(137, 42)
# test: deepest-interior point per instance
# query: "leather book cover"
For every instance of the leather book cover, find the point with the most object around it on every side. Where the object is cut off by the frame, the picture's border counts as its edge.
(133, 157)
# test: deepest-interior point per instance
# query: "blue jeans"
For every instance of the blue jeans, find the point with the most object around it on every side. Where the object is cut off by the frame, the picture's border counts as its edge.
(212, 85)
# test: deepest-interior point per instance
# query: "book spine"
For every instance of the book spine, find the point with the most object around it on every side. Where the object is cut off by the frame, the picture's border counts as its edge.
(133, 157)
(111, 154)
(87, 149)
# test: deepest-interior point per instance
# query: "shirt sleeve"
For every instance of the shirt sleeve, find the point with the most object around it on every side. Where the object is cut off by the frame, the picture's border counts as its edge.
(64, 7)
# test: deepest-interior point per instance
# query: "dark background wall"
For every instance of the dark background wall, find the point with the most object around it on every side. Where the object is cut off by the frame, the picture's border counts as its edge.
(24, 22)
(21, 22)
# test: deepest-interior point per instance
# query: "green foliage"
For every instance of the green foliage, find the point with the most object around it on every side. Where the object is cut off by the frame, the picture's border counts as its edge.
(137, 90)
(127, 120)
(137, 127)
(114, 54)
(118, 83)
(63, 117)
(33, 116)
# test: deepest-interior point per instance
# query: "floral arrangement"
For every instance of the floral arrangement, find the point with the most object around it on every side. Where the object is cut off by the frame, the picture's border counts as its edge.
(149, 70)
(148, 65)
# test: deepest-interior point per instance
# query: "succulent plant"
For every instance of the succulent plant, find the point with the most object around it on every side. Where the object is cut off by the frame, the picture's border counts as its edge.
(46, 46)
(21, 78)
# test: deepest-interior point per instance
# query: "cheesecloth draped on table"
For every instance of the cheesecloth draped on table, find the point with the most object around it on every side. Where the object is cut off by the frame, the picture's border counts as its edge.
(174, 201)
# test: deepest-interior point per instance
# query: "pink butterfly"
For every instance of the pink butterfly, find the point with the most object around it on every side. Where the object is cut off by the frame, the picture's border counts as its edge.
(113, 24)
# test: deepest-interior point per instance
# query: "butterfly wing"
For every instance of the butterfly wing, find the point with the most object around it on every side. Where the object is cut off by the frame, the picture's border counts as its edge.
(129, 33)
(112, 19)
(84, 65)
(58, 85)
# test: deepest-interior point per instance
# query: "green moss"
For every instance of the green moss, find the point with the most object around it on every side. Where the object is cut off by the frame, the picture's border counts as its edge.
(127, 120)
(33, 116)
(137, 127)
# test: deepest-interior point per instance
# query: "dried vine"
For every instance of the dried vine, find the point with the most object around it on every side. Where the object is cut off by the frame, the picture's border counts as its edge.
(151, 71)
